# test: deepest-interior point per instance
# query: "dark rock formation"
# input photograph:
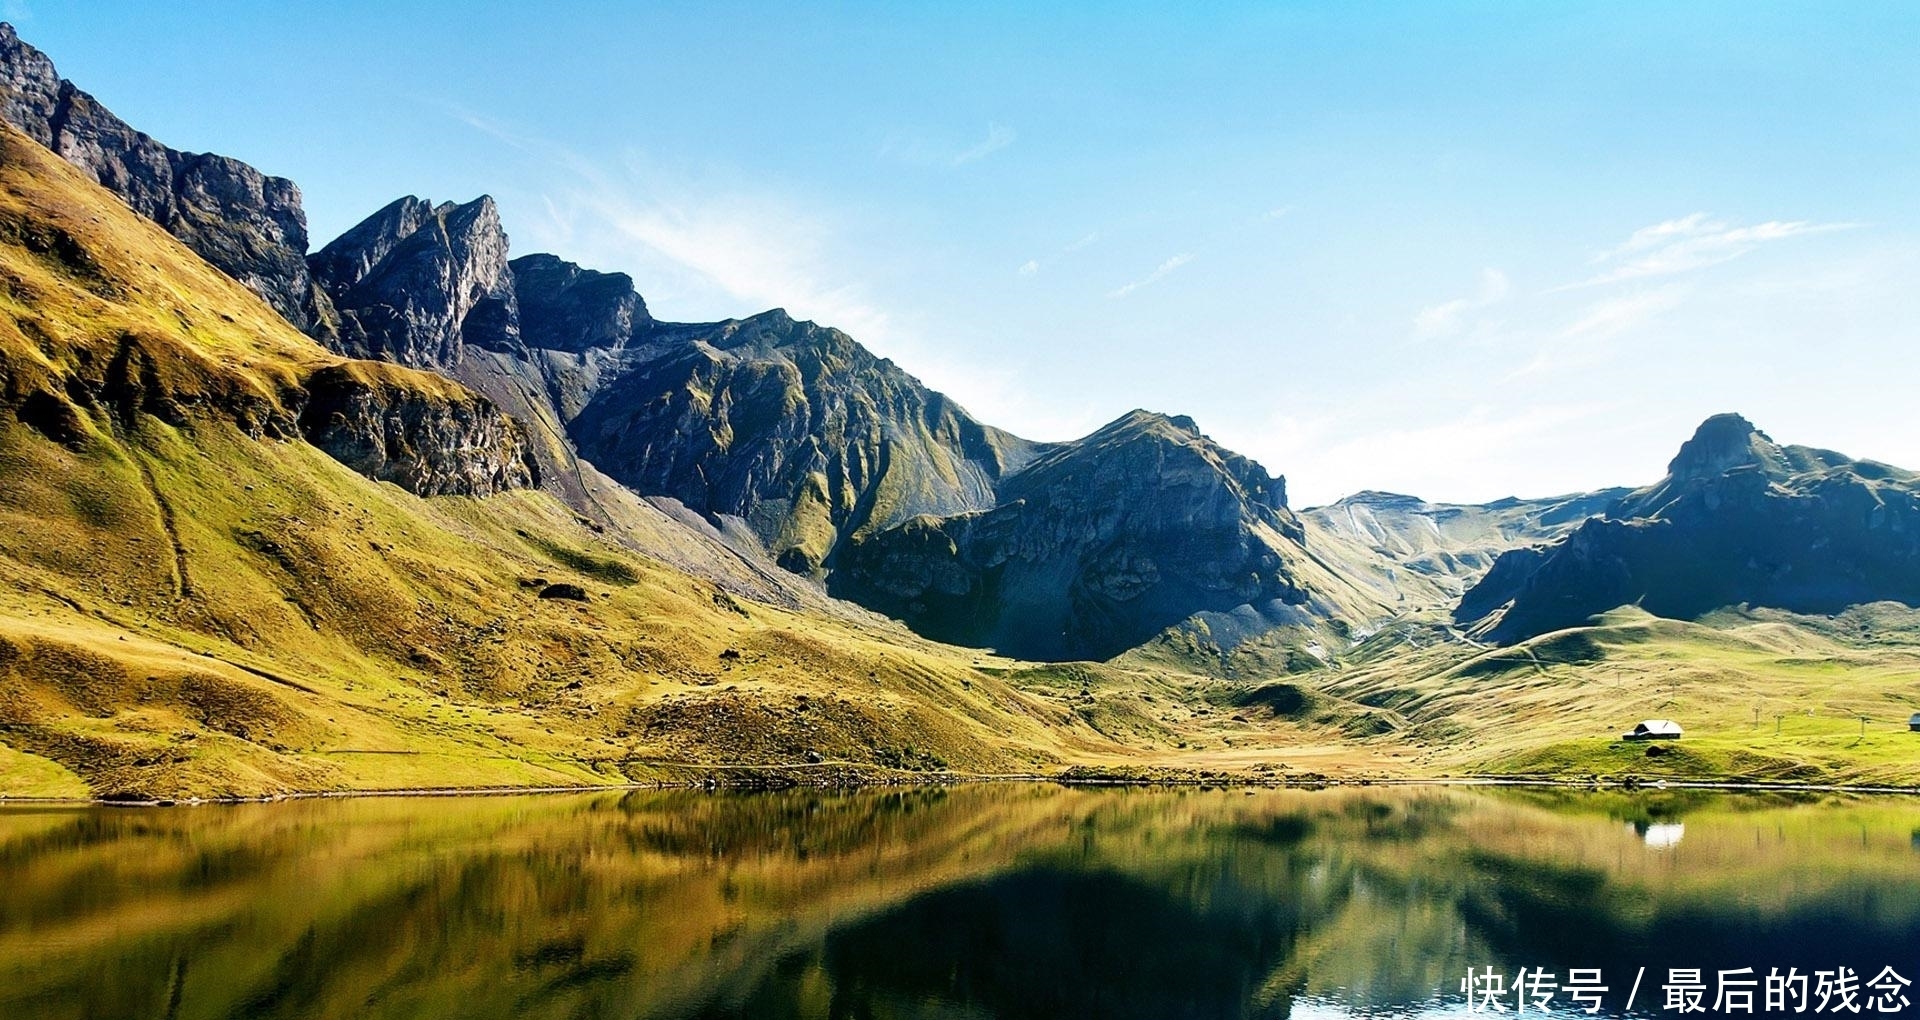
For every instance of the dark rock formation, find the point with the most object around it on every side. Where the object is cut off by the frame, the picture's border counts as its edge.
(793, 427)
(416, 283)
(245, 223)
(1738, 519)
(566, 308)
(1097, 546)
(428, 436)
(568, 592)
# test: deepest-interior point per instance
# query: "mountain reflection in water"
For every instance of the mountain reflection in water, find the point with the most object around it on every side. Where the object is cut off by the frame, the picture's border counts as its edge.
(1014, 901)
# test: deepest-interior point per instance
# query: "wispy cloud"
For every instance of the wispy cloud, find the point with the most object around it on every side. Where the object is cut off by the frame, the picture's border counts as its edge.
(1692, 242)
(1160, 272)
(1583, 341)
(999, 136)
(1032, 267)
(1449, 317)
(923, 149)
(1604, 319)
(684, 228)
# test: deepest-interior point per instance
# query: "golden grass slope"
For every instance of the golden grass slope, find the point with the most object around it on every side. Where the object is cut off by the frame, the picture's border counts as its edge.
(194, 602)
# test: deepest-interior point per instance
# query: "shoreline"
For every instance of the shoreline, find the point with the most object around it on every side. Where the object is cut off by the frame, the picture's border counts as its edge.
(772, 778)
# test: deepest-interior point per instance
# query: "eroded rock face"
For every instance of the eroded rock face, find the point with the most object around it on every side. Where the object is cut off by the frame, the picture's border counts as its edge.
(1097, 546)
(1738, 519)
(415, 283)
(793, 427)
(432, 441)
(566, 308)
(247, 224)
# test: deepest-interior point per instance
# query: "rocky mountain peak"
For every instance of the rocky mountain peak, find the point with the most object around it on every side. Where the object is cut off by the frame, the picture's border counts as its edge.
(1722, 443)
(350, 257)
(248, 225)
(568, 308)
(415, 282)
(1155, 445)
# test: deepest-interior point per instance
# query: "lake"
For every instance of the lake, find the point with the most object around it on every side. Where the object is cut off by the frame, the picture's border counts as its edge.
(1010, 900)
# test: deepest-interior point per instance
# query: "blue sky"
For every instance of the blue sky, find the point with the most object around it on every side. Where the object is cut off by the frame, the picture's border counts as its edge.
(1458, 250)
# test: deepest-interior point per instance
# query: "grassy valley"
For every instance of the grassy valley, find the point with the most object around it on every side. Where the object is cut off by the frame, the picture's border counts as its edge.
(199, 600)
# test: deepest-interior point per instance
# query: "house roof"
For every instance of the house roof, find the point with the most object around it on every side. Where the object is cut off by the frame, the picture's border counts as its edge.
(1659, 726)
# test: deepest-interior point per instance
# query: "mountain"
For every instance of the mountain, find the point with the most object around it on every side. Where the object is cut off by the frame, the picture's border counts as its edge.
(1098, 546)
(1422, 556)
(415, 283)
(791, 427)
(249, 225)
(796, 435)
(1738, 519)
(98, 337)
(235, 563)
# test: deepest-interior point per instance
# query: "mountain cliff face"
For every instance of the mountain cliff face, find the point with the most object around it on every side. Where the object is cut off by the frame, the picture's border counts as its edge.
(447, 442)
(1421, 556)
(1737, 519)
(111, 322)
(1096, 547)
(249, 225)
(567, 308)
(416, 283)
(792, 427)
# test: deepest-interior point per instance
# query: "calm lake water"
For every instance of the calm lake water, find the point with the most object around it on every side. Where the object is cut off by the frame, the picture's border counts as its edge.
(982, 901)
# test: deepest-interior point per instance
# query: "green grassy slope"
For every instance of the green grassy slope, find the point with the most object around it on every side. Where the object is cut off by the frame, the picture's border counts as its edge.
(189, 605)
(1763, 696)
(195, 602)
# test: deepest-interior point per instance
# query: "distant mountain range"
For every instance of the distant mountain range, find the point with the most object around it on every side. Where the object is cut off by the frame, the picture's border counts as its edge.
(789, 463)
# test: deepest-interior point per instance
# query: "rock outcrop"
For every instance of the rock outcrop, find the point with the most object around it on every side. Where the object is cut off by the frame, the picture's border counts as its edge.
(1738, 519)
(1096, 547)
(792, 427)
(566, 308)
(247, 224)
(116, 327)
(416, 283)
(431, 440)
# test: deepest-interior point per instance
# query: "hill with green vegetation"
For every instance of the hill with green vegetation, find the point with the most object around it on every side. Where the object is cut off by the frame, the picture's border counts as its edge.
(406, 513)
(196, 598)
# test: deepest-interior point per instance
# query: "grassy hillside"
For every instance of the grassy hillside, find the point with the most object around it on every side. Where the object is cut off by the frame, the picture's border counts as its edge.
(1763, 696)
(196, 602)
(193, 601)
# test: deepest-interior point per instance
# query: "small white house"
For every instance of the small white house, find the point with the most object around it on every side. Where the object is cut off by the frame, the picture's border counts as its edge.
(1654, 729)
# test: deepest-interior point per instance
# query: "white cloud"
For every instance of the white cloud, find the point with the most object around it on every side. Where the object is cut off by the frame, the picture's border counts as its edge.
(1449, 317)
(1690, 243)
(1034, 266)
(999, 136)
(923, 149)
(1473, 456)
(1159, 273)
(1583, 341)
(1604, 319)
